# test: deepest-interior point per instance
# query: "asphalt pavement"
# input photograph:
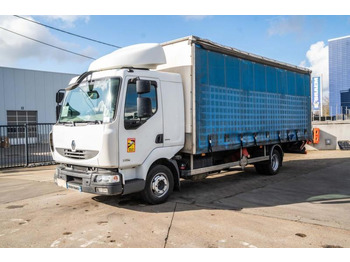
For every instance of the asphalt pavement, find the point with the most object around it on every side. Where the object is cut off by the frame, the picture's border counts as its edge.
(306, 205)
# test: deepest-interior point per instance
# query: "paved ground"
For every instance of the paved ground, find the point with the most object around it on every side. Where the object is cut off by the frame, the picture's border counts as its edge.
(306, 205)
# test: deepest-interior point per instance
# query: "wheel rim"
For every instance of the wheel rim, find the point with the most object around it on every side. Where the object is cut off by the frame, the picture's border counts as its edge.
(160, 185)
(274, 162)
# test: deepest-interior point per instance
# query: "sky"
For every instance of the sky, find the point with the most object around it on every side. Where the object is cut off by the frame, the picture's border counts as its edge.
(300, 40)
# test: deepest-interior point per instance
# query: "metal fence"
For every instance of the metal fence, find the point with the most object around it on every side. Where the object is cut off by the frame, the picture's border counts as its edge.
(338, 114)
(22, 145)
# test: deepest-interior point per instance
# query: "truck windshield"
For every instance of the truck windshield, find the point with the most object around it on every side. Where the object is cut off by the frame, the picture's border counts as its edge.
(91, 102)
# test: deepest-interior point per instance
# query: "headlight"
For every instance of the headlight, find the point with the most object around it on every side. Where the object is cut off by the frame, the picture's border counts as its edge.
(107, 179)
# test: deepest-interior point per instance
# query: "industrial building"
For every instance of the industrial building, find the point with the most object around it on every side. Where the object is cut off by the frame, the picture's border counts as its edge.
(27, 112)
(28, 96)
(339, 73)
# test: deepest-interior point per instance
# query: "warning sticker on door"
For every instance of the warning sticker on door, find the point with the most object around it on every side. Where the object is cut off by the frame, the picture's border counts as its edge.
(131, 145)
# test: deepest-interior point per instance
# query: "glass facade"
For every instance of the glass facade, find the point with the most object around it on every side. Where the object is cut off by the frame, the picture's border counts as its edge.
(345, 101)
(339, 71)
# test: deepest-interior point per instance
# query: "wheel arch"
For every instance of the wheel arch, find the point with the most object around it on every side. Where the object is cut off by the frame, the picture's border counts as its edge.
(279, 149)
(172, 165)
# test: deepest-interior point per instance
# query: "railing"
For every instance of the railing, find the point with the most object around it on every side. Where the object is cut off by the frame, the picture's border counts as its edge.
(339, 114)
(23, 145)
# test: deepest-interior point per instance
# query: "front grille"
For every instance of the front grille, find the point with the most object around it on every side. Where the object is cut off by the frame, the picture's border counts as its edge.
(80, 168)
(77, 154)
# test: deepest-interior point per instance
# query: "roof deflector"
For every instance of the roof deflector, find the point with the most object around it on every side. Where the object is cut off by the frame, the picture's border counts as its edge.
(144, 56)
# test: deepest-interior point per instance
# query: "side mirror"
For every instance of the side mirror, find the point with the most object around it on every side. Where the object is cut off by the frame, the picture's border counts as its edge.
(143, 86)
(144, 107)
(60, 96)
(58, 111)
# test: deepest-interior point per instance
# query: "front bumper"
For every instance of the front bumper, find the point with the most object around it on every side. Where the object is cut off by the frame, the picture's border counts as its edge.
(85, 181)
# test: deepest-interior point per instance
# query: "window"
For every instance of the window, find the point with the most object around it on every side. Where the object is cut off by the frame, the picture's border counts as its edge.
(131, 120)
(16, 120)
(21, 117)
(93, 101)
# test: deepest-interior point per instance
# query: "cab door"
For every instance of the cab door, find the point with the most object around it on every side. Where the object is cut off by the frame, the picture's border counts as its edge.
(138, 137)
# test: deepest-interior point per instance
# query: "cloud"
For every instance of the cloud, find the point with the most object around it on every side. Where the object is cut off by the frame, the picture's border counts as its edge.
(67, 21)
(286, 25)
(15, 48)
(317, 61)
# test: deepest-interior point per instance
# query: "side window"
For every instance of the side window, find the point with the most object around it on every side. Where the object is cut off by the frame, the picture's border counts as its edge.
(131, 119)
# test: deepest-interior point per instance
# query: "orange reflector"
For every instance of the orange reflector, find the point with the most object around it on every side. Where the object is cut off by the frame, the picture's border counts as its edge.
(316, 135)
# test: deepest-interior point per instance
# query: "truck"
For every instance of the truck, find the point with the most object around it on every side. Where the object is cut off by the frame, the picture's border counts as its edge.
(147, 116)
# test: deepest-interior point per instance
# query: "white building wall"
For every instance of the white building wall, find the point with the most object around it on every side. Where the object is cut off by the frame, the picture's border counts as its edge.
(2, 98)
(333, 132)
(22, 89)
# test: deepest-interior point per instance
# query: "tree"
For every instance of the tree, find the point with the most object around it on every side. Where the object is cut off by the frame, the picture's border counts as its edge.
(325, 106)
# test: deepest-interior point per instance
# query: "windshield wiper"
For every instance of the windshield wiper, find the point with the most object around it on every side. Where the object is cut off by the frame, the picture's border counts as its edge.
(67, 123)
(90, 121)
(81, 121)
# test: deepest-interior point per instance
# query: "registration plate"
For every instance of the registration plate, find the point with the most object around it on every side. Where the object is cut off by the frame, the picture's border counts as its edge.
(74, 187)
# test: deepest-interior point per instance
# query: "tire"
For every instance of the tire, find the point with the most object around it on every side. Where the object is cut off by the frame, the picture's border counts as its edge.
(274, 163)
(159, 185)
(272, 166)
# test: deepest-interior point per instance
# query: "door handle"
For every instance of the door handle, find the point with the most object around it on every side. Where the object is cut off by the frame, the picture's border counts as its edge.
(159, 139)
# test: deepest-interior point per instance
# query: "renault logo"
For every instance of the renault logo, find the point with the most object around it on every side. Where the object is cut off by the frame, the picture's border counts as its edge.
(73, 145)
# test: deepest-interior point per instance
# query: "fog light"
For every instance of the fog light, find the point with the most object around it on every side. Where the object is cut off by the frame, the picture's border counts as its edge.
(101, 190)
(107, 179)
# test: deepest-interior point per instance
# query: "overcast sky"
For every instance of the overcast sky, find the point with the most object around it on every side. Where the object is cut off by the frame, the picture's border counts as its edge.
(298, 39)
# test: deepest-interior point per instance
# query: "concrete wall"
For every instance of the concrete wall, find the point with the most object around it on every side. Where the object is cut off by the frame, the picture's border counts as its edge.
(334, 131)
(22, 89)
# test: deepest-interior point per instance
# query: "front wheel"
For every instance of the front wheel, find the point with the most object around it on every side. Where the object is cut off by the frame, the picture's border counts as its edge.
(159, 185)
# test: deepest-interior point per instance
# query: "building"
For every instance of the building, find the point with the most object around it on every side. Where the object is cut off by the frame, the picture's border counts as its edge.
(28, 96)
(339, 71)
(345, 101)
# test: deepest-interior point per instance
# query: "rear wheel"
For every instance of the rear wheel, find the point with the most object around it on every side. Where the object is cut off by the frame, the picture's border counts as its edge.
(272, 166)
(159, 185)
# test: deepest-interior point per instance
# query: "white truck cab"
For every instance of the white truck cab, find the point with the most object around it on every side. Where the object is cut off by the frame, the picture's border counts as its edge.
(118, 122)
